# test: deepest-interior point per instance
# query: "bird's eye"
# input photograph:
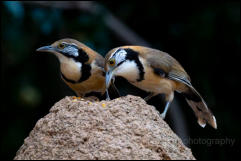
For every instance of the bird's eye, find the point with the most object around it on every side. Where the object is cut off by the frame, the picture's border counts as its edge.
(112, 62)
(61, 46)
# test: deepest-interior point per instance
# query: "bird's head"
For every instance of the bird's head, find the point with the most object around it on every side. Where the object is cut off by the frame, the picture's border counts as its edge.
(122, 61)
(114, 59)
(67, 49)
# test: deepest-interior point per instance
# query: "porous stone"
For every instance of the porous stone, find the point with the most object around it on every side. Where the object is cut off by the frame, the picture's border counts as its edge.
(124, 128)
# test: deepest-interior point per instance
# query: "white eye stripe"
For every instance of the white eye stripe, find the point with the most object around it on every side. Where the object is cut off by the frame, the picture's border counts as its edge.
(71, 51)
(119, 54)
(65, 43)
(122, 52)
(69, 44)
(113, 53)
(74, 44)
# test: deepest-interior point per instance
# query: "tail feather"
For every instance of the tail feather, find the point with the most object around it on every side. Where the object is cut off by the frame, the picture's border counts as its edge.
(202, 112)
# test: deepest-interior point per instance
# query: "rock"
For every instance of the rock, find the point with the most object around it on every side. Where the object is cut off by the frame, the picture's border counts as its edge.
(124, 128)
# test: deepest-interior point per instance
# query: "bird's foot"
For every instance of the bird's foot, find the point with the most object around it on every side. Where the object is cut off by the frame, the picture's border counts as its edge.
(107, 96)
(108, 99)
(163, 116)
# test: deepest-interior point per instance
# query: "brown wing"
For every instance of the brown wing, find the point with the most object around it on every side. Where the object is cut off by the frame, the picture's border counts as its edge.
(100, 61)
(166, 64)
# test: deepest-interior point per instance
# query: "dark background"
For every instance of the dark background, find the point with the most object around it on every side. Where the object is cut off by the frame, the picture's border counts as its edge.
(203, 37)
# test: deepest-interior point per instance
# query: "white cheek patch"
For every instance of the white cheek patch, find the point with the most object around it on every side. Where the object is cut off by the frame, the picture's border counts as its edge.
(128, 70)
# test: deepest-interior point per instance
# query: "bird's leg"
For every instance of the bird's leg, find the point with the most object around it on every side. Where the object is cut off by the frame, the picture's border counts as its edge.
(113, 90)
(169, 98)
(163, 114)
(147, 98)
(107, 95)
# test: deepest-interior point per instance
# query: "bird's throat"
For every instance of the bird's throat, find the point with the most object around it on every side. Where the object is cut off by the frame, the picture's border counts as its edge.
(128, 70)
(71, 70)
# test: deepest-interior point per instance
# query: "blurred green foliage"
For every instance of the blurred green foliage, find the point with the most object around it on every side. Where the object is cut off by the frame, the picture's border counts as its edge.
(204, 37)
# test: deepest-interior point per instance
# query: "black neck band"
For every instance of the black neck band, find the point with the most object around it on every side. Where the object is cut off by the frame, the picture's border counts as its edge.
(133, 56)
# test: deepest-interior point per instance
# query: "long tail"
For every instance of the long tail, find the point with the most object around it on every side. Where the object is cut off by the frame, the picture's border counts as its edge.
(200, 108)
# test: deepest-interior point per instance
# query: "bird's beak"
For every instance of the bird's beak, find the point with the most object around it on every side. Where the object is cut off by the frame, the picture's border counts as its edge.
(45, 49)
(108, 78)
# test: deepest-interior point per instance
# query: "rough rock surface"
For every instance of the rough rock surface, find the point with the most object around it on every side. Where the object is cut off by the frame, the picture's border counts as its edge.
(125, 128)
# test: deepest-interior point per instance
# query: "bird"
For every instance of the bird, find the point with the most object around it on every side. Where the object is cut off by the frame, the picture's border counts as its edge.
(156, 72)
(81, 68)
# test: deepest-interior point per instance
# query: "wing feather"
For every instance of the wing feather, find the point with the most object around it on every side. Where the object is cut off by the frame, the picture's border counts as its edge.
(161, 61)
